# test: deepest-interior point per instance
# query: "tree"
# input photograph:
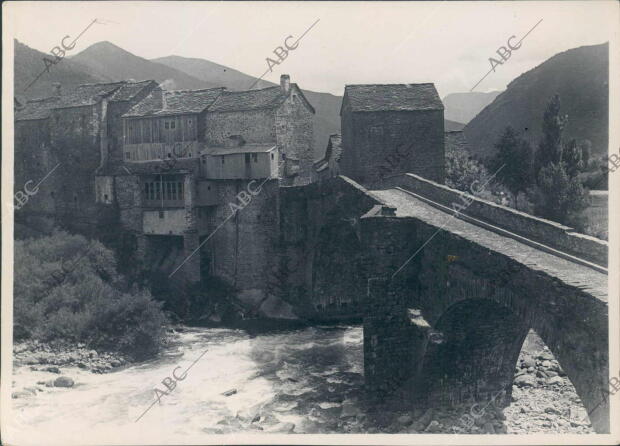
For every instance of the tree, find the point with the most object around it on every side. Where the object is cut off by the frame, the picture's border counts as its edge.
(560, 197)
(512, 163)
(550, 148)
(572, 156)
(586, 152)
(558, 194)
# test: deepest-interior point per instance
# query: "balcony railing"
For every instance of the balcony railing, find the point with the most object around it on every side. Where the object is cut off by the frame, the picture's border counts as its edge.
(151, 151)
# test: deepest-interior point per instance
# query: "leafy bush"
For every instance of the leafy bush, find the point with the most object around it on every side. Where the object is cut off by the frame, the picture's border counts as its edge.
(67, 288)
(462, 170)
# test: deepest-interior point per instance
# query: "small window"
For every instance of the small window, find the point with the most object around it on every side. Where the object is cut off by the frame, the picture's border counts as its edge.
(105, 197)
(272, 156)
(190, 154)
(127, 155)
(169, 155)
(190, 122)
(223, 160)
(284, 156)
(52, 194)
(172, 124)
(161, 214)
(255, 157)
(166, 125)
(204, 160)
(208, 187)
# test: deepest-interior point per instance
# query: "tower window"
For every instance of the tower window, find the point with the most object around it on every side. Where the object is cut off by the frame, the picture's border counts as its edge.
(161, 214)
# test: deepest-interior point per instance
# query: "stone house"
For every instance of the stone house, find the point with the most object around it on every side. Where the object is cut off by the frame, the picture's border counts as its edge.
(77, 131)
(190, 159)
(391, 129)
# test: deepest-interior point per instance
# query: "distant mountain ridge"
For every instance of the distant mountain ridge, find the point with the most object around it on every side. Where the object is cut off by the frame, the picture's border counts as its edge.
(117, 64)
(463, 107)
(579, 75)
(327, 106)
(29, 64)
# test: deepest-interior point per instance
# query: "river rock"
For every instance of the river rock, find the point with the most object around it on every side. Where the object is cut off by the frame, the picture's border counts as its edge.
(405, 420)
(230, 392)
(528, 362)
(425, 419)
(433, 427)
(21, 394)
(288, 428)
(53, 369)
(556, 380)
(275, 308)
(63, 381)
(525, 381)
(488, 428)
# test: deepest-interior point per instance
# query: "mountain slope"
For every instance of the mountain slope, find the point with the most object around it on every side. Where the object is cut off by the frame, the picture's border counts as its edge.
(212, 72)
(29, 64)
(115, 63)
(452, 126)
(579, 76)
(462, 107)
(327, 106)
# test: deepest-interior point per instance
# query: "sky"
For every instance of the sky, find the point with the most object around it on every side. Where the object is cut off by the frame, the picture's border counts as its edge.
(447, 43)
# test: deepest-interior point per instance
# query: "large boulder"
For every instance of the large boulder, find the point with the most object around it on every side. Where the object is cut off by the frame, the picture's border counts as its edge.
(275, 308)
(525, 381)
(63, 381)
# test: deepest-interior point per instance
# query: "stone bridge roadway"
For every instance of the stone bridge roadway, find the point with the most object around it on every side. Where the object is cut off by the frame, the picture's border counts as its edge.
(448, 326)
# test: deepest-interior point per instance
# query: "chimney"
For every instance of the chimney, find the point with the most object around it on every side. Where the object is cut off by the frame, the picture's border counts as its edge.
(285, 83)
(56, 89)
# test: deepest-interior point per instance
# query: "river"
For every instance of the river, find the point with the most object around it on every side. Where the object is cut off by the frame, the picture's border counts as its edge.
(307, 380)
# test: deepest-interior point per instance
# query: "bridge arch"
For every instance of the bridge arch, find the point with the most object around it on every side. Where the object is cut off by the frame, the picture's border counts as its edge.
(475, 357)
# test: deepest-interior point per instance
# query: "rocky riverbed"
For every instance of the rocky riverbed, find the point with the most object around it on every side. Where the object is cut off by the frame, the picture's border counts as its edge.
(53, 362)
(299, 381)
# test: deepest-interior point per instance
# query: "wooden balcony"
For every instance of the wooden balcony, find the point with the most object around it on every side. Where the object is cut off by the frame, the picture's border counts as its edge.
(161, 150)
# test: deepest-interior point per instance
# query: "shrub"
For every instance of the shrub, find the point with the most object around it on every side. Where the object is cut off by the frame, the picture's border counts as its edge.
(67, 289)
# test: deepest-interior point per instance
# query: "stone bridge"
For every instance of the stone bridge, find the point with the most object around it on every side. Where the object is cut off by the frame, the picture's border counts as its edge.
(447, 298)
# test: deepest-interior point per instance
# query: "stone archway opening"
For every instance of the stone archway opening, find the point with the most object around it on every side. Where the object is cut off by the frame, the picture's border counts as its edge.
(543, 397)
(474, 358)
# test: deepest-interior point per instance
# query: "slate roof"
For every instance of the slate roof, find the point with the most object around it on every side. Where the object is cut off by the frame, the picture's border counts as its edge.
(392, 97)
(83, 95)
(246, 148)
(174, 102)
(248, 100)
(36, 109)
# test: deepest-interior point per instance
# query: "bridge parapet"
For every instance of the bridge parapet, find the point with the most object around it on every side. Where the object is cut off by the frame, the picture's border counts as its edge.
(552, 234)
